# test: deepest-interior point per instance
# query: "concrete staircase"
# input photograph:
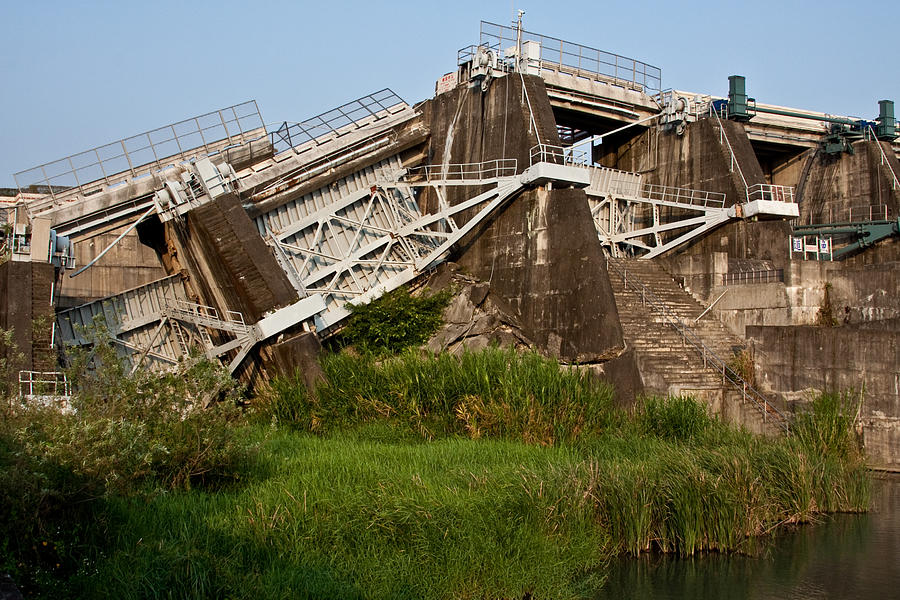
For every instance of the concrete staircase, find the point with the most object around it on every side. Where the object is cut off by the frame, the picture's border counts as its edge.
(669, 360)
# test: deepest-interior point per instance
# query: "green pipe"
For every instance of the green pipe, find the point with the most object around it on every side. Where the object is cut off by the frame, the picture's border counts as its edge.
(789, 113)
(867, 233)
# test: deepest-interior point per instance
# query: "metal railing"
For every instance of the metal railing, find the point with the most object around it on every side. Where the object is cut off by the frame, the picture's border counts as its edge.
(567, 57)
(338, 121)
(560, 155)
(492, 169)
(44, 383)
(751, 277)
(200, 314)
(875, 212)
(90, 171)
(723, 139)
(870, 134)
(664, 193)
(692, 339)
(770, 192)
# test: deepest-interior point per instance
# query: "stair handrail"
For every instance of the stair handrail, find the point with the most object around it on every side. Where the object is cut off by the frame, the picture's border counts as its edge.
(677, 195)
(734, 161)
(690, 336)
(895, 184)
(200, 314)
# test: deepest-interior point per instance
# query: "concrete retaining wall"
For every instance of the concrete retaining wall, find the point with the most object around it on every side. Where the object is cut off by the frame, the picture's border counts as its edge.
(862, 358)
(25, 289)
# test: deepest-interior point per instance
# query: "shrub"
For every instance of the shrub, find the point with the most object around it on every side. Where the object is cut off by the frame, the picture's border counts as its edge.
(743, 364)
(396, 321)
(128, 435)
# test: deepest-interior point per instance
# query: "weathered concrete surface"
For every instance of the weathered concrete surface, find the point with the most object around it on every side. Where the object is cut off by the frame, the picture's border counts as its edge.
(862, 358)
(25, 289)
(476, 318)
(753, 304)
(127, 265)
(856, 294)
(541, 254)
(229, 265)
(298, 354)
(832, 184)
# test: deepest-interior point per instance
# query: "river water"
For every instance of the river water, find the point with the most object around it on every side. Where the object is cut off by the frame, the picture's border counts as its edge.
(848, 556)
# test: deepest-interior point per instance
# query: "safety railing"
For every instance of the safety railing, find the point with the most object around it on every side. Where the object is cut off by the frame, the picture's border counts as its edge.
(208, 316)
(560, 155)
(44, 384)
(875, 212)
(870, 134)
(558, 55)
(663, 193)
(492, 169)
(91, 171)
(692, 339)
(751, 277)
(723, 139)
(770, 192)
(338, 121)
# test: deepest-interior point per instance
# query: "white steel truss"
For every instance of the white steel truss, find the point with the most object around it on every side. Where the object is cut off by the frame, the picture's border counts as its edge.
(156, 327)
(337, 249)
(372, 240)
(637, 219)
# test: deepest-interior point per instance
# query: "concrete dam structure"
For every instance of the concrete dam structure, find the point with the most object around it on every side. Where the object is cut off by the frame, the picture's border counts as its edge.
(673, 242)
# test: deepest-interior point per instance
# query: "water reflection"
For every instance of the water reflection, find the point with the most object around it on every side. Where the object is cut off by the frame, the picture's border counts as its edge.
(849, 556)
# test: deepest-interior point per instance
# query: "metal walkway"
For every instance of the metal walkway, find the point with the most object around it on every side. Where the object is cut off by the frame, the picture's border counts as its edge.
(646, 220)
(370, 239)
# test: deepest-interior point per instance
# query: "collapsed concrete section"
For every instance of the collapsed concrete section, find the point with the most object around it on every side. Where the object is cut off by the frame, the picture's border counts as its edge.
(544, 174)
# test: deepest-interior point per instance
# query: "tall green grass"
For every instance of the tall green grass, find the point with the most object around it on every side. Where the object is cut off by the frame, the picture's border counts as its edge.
(490, 475)
(358, 514)
(352, 518)
(491, 393)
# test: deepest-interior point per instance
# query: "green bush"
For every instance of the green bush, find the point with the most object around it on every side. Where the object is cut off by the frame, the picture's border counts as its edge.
(396, 321)
(127, 436)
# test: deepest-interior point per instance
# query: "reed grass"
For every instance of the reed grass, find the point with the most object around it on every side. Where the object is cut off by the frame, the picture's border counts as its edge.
(492, 393)
(490, 475)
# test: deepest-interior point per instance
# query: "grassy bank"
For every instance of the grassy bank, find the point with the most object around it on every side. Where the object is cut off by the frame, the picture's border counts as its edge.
(490, 476)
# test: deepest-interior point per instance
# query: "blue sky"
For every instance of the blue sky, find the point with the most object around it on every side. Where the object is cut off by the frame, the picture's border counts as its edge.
(79, 74)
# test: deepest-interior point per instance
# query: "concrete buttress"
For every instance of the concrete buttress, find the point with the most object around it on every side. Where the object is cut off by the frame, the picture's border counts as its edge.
(541, 253)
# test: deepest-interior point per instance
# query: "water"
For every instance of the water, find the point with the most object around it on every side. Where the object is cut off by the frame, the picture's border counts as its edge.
(849, 556)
